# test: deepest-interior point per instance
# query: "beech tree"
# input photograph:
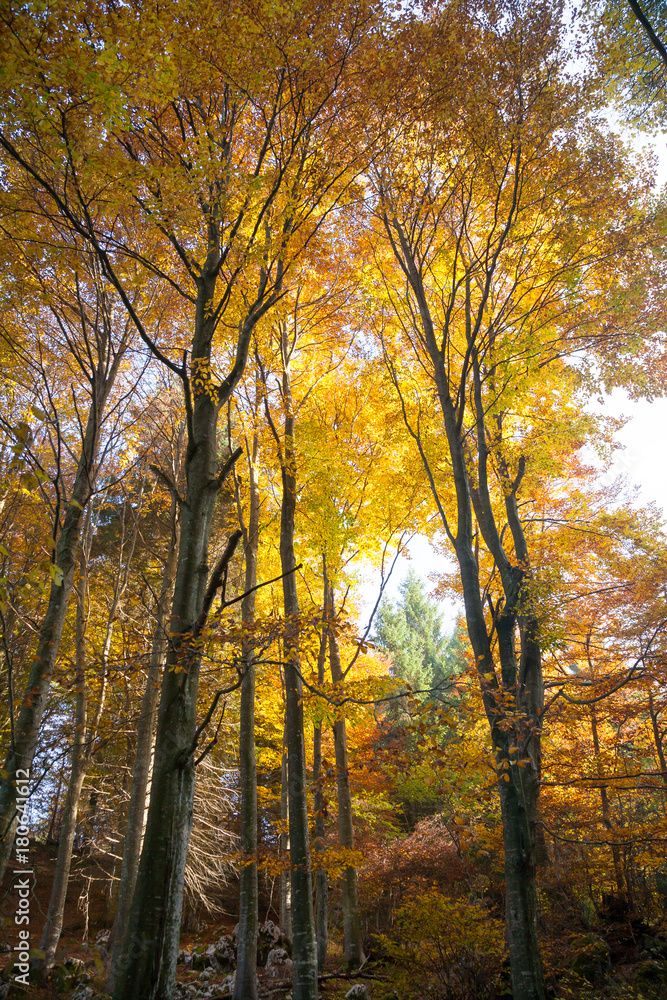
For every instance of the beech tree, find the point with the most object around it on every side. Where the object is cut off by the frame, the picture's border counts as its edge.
(217, 161)
(84, 323)
(472, 217)
(389, 255)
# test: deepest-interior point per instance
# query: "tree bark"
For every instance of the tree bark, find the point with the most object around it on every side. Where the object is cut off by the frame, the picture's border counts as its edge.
(146, 966)
(54, 918)
(606, 807)
(134, 829)
(283, 844)
(303, 925)
(321, 878)
(26, 730)
(245, 986)
(353, 943)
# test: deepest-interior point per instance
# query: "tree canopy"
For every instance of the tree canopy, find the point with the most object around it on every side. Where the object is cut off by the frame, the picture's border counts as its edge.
(284, 286)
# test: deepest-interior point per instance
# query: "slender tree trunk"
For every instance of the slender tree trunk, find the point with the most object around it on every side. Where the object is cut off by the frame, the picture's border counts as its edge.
(658, 739)
(50, 839)
(134, 829)
(245, 987)
(321, 879)
(84, 739)
(521, 894)
(606, 806)
(516, 809)
(54, 917)
(283, 845)
(303, 923)
(520, 681)
(26, 730)
(353, 948)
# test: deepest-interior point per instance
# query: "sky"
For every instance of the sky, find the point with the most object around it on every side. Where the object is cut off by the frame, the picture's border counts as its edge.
(641, 459)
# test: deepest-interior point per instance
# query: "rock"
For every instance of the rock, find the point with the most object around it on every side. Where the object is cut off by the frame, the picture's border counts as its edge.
(184, 958)
(278, 963)
(358, 992)
(200, 959)
(76, 966)
(270, 936)
(225, 952)
(62, 979)
(228, 983)
(592, 959)
(102, 937)
(650, 974)
(83, 993)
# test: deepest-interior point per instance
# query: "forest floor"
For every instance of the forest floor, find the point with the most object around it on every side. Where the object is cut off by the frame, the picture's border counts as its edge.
(622, 959)
(80, 970)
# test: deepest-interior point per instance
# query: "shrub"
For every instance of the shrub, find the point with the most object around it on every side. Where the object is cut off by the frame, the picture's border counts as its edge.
(447, 950)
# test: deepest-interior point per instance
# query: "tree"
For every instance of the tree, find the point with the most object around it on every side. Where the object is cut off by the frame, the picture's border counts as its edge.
(245, 984)
(301, 896)
(411, 635)
(133, 836)
(217, 160)
(486, 292)
(88, 329)
(631, 49)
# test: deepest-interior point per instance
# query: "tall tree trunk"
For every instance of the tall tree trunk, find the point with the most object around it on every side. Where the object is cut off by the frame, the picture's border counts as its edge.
(658, 738)
(321, 878)
(283, 845)
(303, 924)
(50, 839)
(606, 806)
(54, 917)
(518, 786)
(26, 729)
(353, 946)
(84, 740)
(245, 986)
(521, 894)
(134, 829)
(147, 964)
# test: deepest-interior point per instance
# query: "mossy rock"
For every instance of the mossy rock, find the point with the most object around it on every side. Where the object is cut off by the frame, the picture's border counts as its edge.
(12, 969)
(651, 972)
(591, 959)
(655, 947)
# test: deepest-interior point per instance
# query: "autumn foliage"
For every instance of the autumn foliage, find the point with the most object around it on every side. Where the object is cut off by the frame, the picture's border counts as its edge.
(284, 288)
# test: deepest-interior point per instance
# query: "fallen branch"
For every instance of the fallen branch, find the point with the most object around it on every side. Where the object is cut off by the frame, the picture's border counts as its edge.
(350, 975)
